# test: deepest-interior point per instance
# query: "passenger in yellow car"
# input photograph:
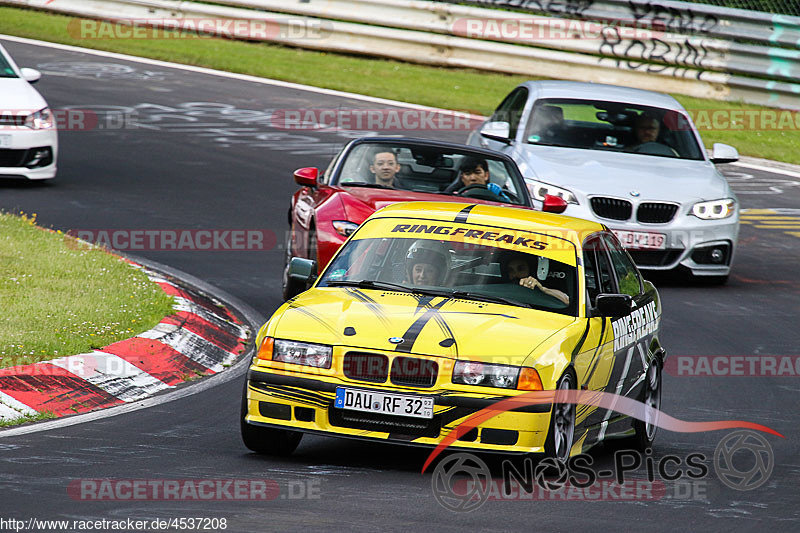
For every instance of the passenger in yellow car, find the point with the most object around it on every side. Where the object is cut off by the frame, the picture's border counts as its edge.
(427, 263)
(517, 269)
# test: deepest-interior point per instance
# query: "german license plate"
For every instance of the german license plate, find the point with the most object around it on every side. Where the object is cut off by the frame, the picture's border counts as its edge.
(5, 141)
(383, 403)
(641, 239)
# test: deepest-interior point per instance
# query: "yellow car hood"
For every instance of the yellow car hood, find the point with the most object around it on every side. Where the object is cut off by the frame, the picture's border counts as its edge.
(427, 325)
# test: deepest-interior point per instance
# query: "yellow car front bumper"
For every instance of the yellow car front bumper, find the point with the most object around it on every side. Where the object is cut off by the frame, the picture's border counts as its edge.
(305, 402)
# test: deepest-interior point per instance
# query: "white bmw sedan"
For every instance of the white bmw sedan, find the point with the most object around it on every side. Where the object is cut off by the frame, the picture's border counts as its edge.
(628, 158)
(28, 138)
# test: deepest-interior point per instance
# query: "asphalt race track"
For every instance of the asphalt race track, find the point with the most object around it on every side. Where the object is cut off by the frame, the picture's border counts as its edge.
(198, 154)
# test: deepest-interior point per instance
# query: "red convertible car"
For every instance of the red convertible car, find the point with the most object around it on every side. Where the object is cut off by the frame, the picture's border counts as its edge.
(373, 172)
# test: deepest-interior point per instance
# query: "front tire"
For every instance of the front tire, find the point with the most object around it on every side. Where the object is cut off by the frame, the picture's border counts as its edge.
(287, 258)
(561, 435)
(645, 430)
(267, 441)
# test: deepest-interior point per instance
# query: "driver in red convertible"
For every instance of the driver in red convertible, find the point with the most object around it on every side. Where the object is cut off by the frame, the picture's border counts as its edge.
(475, 172)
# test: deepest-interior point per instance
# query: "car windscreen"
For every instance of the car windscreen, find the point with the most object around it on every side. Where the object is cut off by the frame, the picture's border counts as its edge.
(456, 269)
(432, 169)
(5, 68)
(612, 126)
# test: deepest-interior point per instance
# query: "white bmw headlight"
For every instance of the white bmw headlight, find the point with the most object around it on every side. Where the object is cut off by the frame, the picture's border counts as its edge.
(40, 120)
(302, 353)
(539, 189)
(486, 375)
(714, 209)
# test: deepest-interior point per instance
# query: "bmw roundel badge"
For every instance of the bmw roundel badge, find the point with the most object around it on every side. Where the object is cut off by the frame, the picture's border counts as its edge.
(396, 340)
(635, 194)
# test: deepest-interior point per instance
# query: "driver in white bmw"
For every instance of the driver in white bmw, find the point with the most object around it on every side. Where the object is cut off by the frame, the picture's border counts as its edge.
(646, 129)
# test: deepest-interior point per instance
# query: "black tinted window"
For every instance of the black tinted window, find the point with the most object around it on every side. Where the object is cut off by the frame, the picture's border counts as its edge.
(599, 279)
(628, 277)
(510, 110)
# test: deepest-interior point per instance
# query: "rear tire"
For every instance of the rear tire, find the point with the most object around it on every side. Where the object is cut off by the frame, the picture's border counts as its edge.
(561, 435)
(267, 441)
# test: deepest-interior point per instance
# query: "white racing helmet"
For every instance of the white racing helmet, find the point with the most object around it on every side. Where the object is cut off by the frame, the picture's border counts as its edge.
(428, 251)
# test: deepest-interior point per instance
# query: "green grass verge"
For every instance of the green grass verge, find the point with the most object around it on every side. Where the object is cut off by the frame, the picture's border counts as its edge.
(24, 419)
(460, 89)
(61, 298)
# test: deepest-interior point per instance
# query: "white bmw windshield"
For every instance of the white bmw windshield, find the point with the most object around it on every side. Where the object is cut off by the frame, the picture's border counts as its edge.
(612, 126)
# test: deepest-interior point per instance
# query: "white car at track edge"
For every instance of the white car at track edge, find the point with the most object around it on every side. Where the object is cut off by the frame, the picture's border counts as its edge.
(28, 136)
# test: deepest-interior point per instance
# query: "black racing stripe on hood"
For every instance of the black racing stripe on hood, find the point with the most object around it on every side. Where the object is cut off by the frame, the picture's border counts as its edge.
(371, 304)
(317, 319)
(478, 313)
(445, 328)
(423, 302)
(410, 336)
(464, 214)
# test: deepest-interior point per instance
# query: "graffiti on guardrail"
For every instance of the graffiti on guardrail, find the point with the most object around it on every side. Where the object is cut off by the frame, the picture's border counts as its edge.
(653, 55)
(668, 18)
(657, 55)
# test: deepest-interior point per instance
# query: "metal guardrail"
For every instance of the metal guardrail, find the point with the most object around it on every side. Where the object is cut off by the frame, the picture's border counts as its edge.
(637, 44)
(735, 25)
(783, 7)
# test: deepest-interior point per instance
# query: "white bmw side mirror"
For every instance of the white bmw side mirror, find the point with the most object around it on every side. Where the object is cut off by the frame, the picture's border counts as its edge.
(723, 153)
(497, 131)
(31, 75)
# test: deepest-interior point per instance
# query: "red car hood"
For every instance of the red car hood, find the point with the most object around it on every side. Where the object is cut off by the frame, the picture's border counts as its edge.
(361, 202)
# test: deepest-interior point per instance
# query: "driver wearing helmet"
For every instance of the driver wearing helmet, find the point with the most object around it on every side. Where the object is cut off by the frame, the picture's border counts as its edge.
(427, 263)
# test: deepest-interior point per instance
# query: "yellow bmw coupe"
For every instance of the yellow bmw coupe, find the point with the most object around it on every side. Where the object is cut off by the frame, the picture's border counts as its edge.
(431, 312)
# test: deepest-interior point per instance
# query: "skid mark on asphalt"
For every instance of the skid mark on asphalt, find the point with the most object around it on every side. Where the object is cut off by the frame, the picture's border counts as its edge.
(226, 125)
(744, 183)
(93, 71)
(786, 220)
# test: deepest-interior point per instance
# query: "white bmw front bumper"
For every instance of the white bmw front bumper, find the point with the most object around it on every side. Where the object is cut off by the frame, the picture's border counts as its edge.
(705, 247)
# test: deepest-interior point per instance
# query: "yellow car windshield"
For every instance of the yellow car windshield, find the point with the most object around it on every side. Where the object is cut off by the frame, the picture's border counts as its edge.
(511, 271)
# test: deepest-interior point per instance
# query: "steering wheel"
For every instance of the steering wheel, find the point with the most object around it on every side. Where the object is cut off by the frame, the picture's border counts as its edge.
(478, 191)
(655, 148)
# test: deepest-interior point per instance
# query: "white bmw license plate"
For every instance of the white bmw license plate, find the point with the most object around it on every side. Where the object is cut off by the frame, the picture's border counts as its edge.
(5, 141)
(641, 239)
(383, 403)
